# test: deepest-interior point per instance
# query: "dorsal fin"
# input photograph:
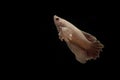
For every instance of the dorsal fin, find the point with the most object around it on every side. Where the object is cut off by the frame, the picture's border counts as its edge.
(89, 36)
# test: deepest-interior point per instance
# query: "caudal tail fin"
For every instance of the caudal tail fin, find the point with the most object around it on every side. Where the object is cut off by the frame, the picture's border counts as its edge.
(95, 49)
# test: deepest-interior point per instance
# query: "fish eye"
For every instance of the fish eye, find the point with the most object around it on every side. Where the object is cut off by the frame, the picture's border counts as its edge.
(57, 18)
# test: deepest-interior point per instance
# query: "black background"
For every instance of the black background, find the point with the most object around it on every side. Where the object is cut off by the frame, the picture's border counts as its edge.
(33, 38)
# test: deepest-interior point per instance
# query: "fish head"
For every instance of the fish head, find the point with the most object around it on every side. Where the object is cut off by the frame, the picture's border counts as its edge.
(63, 27)
(61, 23)
(58, 22)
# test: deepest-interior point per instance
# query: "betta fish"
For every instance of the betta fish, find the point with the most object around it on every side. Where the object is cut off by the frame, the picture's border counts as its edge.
(84, 45)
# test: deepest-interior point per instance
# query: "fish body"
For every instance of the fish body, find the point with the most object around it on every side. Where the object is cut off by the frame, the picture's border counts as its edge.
(84, 45)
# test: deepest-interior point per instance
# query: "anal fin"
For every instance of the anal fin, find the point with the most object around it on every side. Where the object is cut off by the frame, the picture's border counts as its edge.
(80, 54)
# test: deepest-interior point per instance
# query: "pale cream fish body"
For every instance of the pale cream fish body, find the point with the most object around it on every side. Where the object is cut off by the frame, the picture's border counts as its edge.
(82, 44)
